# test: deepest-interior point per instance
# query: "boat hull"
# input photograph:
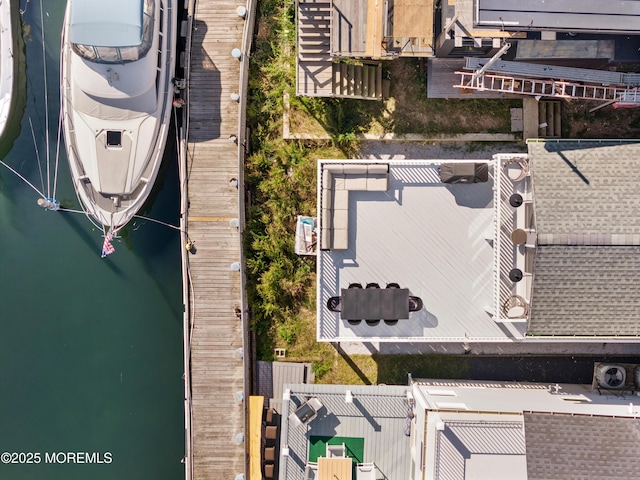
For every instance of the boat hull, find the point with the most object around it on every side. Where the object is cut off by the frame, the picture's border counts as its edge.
(116, 119)
(7, 60)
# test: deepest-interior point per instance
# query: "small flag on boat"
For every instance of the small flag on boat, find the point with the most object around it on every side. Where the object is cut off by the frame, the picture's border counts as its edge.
(107, 248)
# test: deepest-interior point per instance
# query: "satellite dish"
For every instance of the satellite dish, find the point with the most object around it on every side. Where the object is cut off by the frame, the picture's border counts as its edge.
(611, 376)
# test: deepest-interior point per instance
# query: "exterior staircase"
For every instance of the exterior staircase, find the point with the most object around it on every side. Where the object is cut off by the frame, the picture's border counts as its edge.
(314, 62)
(317, 74)
(549, 125)
(358, 80)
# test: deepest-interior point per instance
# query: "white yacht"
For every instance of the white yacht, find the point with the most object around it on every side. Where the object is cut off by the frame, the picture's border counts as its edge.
(117, 66)
(6, 62)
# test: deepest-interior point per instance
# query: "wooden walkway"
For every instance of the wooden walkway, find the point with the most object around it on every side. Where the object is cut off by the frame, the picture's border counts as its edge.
(441, 79)
(213, 224)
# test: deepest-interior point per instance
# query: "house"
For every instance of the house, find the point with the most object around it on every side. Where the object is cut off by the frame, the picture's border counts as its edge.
(545, 247)
(441, 429)
(479, 27)
(587, 213)
(370, 421)
(340, 43)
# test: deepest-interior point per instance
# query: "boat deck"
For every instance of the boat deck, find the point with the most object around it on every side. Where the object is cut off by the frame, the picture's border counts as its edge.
(217, 374)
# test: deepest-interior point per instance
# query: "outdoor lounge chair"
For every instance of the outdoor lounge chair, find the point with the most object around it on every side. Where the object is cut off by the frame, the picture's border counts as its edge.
(335, 450)
(366, 471)
(306, 412)
(311, 471)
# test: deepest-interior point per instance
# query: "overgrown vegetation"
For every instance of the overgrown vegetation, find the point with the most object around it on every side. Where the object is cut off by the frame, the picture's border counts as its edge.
(408, 110)
(281, 183)
(281, 180)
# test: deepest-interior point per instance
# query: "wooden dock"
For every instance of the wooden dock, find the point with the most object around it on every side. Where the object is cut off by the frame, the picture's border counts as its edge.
(215, 411)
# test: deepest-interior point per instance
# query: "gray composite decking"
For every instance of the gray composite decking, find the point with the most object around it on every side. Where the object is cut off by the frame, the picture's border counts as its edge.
(435, 239)
(217, 372)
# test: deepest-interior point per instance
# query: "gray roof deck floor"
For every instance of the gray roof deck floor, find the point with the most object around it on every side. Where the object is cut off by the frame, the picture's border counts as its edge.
(434, 239)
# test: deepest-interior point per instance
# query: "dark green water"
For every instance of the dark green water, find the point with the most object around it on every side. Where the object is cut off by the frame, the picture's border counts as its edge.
(90, 348)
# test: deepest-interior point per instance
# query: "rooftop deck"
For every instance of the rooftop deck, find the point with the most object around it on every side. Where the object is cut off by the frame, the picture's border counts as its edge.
(448, 244)
(378, 29)
(378, 416)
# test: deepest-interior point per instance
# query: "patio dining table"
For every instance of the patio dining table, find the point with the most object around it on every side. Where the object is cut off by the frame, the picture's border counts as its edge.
(335, 468)
(374, 303)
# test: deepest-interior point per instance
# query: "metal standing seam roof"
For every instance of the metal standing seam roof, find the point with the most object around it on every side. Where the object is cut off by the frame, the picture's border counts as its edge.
(272, 376)
(100, 23)
(567, 15)
(572, 447)
(587, 263)
(460, 441)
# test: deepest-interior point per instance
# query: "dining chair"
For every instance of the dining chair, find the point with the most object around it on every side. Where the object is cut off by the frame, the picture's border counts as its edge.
(335, 451)
(372, 323)
(415, 304)
(373, 285)
(268, 416)
(271, 432)
(391, 322)
(354, 321)
(269, 454)
(269, 469)
(355, 285)
(334, 304)
(393, 285)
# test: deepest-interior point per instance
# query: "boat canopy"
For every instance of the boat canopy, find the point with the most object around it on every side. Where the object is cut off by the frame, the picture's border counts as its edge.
(102, 23)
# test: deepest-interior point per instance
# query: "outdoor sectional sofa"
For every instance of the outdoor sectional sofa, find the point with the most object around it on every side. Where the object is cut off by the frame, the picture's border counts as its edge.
(338, 179)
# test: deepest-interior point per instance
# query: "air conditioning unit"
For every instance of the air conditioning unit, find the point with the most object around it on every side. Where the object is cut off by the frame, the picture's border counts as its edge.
(611, 376)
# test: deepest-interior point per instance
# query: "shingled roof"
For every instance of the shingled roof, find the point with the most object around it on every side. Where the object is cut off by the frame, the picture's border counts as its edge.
(568, 447)
(586, 290)
(586, 187)
(587, 215)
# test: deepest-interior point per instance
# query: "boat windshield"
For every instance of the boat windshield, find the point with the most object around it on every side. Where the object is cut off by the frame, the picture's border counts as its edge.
(122, 54)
